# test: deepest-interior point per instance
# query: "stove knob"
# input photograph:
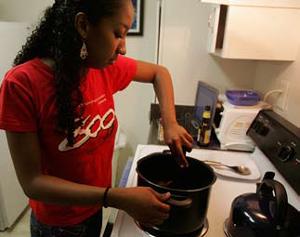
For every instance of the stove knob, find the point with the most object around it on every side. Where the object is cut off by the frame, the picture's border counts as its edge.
(262, 130)
(286, 153)
(256, 124)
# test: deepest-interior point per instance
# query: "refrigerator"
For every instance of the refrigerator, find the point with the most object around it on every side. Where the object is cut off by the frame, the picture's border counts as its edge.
(12, 198)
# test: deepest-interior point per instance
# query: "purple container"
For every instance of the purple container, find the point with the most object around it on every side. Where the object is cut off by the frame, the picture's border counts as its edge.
(242, 97)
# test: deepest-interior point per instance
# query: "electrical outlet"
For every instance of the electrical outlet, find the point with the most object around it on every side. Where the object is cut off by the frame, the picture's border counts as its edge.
(283, 97)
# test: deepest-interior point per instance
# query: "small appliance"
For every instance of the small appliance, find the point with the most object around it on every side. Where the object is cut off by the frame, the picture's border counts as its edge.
(233, 125)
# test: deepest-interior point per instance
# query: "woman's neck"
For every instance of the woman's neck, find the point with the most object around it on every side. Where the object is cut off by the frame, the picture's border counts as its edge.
(49, 62)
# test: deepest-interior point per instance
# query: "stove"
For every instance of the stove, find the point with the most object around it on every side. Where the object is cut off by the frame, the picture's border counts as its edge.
(225, 189)
(152, 233)
(279, 140)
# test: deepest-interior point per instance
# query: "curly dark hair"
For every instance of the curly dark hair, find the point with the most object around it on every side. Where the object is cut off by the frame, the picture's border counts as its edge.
(57, 38)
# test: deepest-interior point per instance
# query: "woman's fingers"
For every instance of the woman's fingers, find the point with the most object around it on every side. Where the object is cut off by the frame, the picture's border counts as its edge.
(189, 137)
(186, 144)
(162, 197)
(179, 141)
(178, 154)
(181, 154)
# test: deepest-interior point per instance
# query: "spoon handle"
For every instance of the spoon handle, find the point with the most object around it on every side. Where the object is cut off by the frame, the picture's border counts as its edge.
(214, 162)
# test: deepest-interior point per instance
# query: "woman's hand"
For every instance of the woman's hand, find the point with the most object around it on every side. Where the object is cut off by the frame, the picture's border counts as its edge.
(179, 141)
(143, 204)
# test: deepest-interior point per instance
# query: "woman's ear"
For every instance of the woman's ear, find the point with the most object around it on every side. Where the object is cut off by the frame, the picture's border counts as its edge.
(82, 24)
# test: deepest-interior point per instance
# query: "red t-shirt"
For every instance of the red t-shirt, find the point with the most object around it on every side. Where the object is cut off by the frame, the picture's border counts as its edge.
(27, 104)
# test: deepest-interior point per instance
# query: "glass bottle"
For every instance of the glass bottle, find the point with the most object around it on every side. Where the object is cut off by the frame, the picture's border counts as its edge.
(204, 131)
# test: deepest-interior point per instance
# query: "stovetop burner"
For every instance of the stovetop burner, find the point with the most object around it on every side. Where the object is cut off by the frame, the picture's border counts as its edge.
(156, 233)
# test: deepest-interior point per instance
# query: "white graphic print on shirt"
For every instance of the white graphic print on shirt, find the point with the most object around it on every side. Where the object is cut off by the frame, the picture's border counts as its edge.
(105, 122)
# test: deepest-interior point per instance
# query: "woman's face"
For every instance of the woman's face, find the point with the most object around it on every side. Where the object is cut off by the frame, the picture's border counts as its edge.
(106, 39)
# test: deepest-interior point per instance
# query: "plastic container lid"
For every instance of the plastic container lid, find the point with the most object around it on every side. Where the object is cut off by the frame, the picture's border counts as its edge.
(242, 97)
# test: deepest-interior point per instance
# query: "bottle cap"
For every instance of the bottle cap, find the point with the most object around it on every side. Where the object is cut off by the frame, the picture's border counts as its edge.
(206, 112)
(207, 108)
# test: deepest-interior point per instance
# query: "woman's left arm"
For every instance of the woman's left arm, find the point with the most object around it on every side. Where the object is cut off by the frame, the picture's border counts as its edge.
(176, 137)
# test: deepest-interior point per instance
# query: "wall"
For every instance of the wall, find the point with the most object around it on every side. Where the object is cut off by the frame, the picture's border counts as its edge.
(15, 25)
(269, 76)
(133, 104)
(184, 51)
(22, 11)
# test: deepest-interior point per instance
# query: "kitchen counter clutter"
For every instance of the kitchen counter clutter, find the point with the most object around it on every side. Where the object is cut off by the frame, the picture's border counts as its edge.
(223, 192)
(187, 117)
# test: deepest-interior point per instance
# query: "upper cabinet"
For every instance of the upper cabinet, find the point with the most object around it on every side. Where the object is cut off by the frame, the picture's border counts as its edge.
(254, 29)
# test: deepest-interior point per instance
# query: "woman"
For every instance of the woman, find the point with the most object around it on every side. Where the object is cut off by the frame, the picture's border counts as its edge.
(57, 108)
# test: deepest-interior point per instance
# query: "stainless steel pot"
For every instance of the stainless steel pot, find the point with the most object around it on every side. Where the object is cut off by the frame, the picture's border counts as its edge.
(189, 187)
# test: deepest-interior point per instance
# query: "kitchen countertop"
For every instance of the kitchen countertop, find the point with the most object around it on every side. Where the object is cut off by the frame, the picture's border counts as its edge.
(223, 192)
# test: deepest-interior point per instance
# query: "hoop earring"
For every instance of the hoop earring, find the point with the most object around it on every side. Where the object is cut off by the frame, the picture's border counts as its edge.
(83, 51)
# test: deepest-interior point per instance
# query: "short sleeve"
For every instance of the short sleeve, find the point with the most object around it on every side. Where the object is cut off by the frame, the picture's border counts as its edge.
(124, 70)
(17, 110)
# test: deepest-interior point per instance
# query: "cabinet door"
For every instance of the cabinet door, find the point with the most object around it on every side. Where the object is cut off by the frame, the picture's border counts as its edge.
(213, 26)
(259, 33)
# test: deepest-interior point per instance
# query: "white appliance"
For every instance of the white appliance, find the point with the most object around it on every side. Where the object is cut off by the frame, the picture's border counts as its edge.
(222, 194)
(235, 121)
(12, 198)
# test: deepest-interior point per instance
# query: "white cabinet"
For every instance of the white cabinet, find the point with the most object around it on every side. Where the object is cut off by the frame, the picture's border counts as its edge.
(253, 30)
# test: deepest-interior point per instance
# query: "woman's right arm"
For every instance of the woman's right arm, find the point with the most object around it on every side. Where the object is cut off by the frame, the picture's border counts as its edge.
(143, 204)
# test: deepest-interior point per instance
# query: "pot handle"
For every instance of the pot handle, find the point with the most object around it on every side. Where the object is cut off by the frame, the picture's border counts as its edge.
(166, 152)
(265, 189)
(180, 201)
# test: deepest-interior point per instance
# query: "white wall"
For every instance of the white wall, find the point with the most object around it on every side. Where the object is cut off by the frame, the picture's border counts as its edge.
(184, 51)
(8, 47)
(22, 10)
(269, 76)
(133, 104)
(15, 25)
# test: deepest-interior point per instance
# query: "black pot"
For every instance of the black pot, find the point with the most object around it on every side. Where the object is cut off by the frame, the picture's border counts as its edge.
(189, 187)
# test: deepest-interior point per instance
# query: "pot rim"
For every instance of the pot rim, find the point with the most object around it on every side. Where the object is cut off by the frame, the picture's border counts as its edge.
(214, 178)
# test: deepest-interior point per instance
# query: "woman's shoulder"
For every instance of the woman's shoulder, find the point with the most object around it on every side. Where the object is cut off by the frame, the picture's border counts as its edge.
(124, 61)
(122, 64)
(28, 71)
